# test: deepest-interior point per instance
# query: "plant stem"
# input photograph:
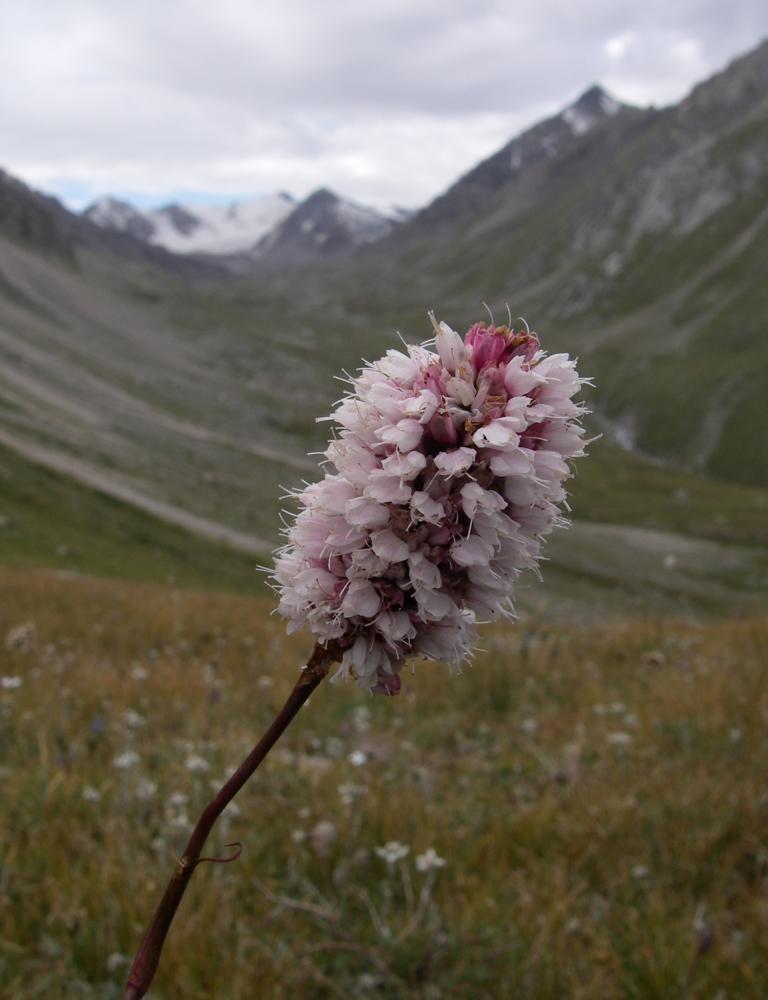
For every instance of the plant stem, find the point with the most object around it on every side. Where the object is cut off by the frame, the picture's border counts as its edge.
(148, 956)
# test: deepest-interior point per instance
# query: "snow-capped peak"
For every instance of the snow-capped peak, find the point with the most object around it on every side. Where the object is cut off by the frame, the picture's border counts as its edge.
(231, 228)
(593, 105)
(186, 228)
(111, 212)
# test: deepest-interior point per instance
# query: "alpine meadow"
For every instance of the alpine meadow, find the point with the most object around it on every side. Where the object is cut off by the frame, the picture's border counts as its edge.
(579, 808)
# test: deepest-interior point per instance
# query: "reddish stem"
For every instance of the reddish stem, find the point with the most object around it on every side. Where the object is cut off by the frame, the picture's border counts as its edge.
(148, 956)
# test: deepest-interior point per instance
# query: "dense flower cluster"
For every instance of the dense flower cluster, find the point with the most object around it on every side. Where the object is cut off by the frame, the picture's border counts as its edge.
(448, 471)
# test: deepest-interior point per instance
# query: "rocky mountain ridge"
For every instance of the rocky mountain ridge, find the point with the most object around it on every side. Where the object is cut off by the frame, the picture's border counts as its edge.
(273, 228)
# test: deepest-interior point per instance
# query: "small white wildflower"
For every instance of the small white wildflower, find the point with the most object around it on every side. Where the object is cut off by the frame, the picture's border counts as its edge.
(91, 794)
(264, 682)
(139, 673)
(619, 739)
(116, 961)
(367, 981)
(126, 760)
(350, 793)
(529, 726)
(357, 758)
(323, 835)
(177, 799)
(196, 763)
(233, 810)
(132, 719)
(298, 836)
(361, 719)
(179, 820)
(618, 708)
(735, 735)
(10, 683)
(640, 872)
(145, 790)
(429, 860)
(393, 851)
(21, 638)
(334, 747)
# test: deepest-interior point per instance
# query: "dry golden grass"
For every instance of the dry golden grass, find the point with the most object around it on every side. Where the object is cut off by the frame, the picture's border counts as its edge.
(599, 795)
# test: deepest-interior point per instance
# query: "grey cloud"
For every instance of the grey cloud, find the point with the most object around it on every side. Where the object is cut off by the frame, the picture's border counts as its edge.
(372, 98)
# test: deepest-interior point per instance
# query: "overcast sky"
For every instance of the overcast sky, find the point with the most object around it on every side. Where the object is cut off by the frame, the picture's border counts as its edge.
(386, 102)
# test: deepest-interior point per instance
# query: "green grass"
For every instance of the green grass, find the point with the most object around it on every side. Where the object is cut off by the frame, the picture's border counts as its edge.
(596, 793)
(618, 487)
(47, 520)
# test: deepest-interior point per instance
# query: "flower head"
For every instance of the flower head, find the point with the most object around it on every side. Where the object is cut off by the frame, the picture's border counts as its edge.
(444, 477)
(393, 851)
(429, 860)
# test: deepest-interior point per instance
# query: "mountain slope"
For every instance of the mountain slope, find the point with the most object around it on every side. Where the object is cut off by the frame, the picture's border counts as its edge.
(544, 143)
(203, 398)
(42, 224)
(641, 247)
(323, 225)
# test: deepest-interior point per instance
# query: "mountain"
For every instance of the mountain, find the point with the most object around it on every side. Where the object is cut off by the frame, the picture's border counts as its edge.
(195, 229)
(323, 225)
(271, 229)
(44, 225)
(545, 142)
(639, 244)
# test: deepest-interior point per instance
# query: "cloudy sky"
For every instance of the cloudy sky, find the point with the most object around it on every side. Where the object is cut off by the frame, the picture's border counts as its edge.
(386, 102)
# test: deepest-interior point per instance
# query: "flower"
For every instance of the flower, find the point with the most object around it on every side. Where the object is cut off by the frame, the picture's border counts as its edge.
(132, 719)
(429, 860)
(145, 789)
(21, 638)
(322, 836)
(350, 792)
(196, 763)
(619, 739)
(393, 851)
(126, 760)
(90, 794)
(445, 475)
(10, 683)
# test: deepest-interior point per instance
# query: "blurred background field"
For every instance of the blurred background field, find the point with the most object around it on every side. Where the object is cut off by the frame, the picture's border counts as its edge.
(580, 813)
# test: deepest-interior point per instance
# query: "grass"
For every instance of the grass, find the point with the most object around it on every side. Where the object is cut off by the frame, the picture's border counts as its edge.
(596, 793)
(47, 520)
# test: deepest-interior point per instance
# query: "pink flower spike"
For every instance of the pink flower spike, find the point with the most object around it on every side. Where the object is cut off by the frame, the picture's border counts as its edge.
(447, 472)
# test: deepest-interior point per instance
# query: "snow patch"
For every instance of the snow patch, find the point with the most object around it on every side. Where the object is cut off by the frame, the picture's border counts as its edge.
(231, 228)
(579, 122)
(364, 225)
